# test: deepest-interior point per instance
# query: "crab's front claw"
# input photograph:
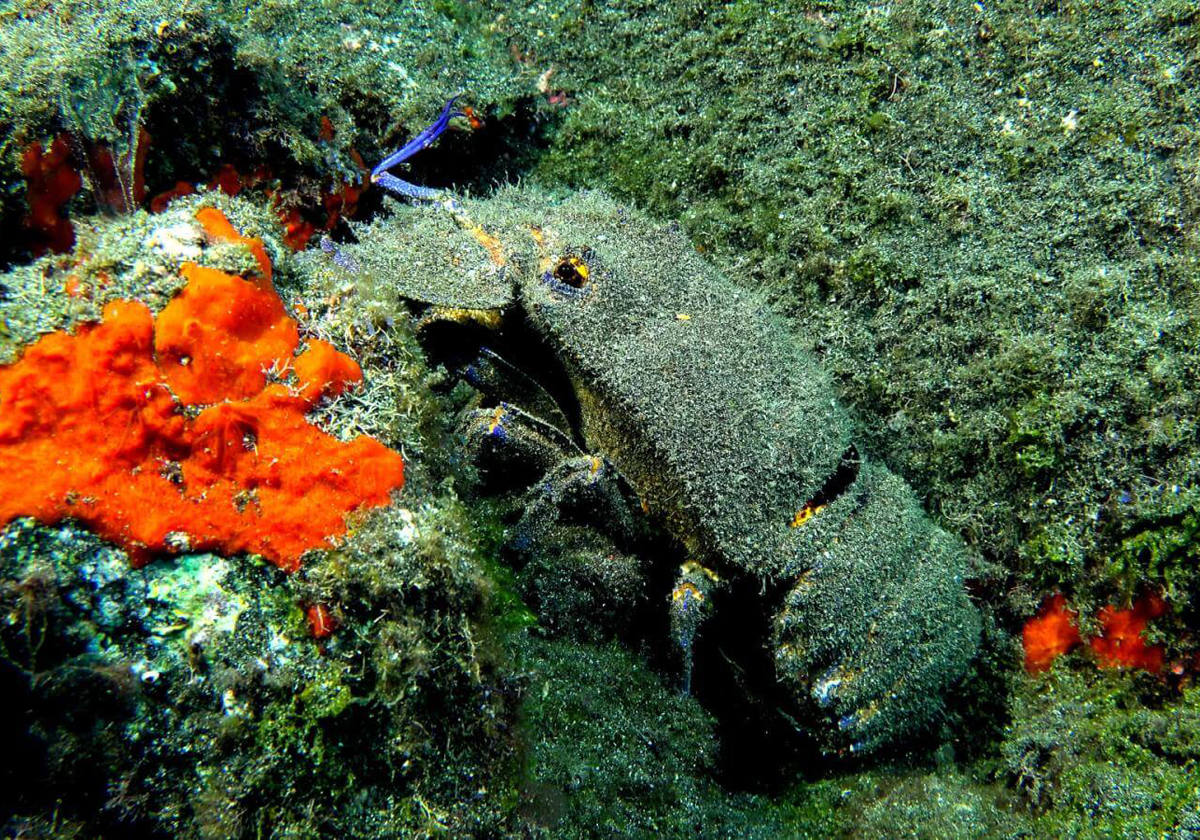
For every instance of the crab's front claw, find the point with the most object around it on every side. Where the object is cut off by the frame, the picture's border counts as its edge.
(582, 490)
(870, 638)
(582, 585)
(512, 448)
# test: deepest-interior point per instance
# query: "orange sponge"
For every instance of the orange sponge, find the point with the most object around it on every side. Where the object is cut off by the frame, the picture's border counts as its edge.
(91, 428)
(50, 183)
(1120, 643)
(1053, 632)
(1049, 634)
(219, 335)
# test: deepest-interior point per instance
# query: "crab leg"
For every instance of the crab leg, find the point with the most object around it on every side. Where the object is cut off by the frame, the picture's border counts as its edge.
(423, 140)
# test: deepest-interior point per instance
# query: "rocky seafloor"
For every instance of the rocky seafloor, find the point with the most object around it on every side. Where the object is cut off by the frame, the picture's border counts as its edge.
(983, 221)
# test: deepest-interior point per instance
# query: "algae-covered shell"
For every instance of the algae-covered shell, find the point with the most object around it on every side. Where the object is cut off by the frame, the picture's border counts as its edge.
(732, 436)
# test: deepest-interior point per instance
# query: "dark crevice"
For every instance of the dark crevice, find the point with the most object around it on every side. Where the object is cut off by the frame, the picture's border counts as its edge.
(839, 481)
(458, 344)
(474, 161)
(761, 749)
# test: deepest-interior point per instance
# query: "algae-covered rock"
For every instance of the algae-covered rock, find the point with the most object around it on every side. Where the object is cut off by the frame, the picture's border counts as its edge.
(190, 699)
(198, 696)
(610, 752)
(983, 218)
(1103, 755)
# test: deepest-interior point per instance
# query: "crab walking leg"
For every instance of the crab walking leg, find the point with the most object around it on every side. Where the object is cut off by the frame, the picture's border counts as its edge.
(690, 604)
(423, 140)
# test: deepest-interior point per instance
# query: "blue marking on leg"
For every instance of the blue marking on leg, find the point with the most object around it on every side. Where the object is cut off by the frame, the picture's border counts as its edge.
(423, 140)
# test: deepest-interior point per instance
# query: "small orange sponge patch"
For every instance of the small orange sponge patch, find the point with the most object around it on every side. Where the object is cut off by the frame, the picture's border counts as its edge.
(1053, 632)
(91, 428)
(1049, 634)
(1121, 644)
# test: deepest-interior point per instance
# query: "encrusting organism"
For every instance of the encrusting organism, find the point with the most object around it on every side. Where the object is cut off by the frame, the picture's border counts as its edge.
(93, 426)
(1119, 644)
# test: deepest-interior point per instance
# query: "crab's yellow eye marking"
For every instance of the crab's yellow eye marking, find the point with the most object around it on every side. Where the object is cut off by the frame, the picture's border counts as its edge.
(572, 271)
(805, 513)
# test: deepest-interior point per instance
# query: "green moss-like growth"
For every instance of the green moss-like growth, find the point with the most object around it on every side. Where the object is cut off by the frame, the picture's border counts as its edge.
(189, 698)
(370, 68)
(1102, 756)
(610, 752)
(1161, 546)
(202, 675)
(95, 70)
(981, 217)
(295, 95)
(940, 803)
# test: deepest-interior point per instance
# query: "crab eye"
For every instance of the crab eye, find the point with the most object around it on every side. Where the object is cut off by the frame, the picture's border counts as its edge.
(569, 275)
(571, 271)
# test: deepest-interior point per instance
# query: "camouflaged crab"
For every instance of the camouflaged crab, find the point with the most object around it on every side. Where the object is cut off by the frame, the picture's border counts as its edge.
(690, 390)
(674, 382)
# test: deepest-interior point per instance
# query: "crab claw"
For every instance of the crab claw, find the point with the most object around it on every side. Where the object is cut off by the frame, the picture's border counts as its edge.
(872, 635)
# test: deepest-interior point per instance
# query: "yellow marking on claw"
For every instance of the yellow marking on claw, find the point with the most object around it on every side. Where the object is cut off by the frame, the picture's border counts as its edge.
(686, 590)
(493, 245)
(489, 318)
(497, 420)
(805, 513)
(692, 566)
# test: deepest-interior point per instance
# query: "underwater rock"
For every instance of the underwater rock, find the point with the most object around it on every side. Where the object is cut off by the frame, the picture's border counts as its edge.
(92, 426)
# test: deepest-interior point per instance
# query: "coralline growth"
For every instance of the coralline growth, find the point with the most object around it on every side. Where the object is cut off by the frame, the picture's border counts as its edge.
(50, 183)
(1050, 634)
(167, 434)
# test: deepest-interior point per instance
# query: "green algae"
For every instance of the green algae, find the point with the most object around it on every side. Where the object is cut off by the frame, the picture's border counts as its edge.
(984, 220)
(201, 675)
(976, 213)
(94, 69)
(1102, 756)
(610, 752)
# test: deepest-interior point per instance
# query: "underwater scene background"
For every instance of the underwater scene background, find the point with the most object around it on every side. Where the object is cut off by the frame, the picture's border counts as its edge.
(726, 420)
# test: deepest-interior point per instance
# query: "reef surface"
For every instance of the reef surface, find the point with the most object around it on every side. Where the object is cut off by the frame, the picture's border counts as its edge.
(980, 220)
